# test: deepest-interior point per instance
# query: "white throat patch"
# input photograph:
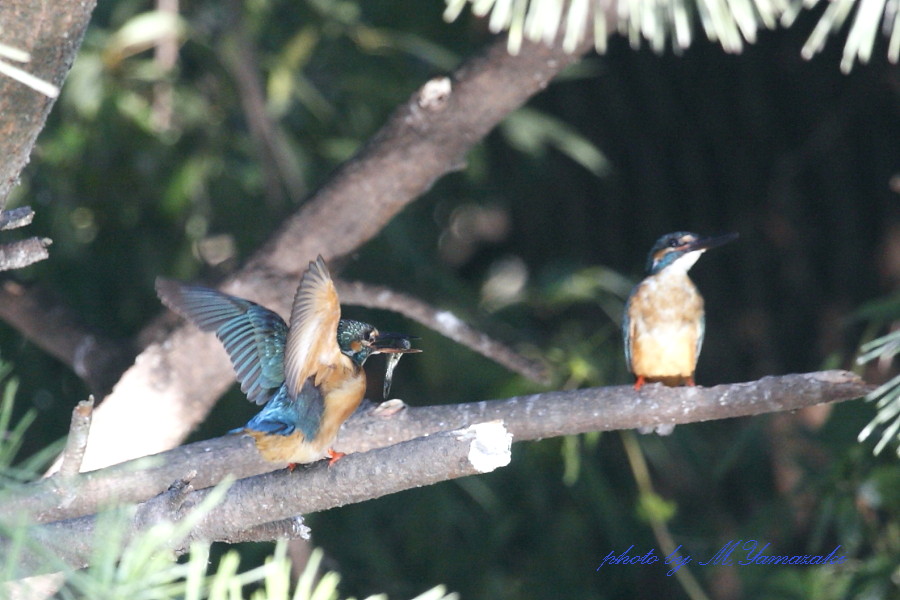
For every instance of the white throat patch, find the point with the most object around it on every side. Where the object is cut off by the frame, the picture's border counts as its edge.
(684, 263)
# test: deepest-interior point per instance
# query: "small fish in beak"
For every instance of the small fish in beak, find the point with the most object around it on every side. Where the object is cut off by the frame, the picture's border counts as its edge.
(395, 345)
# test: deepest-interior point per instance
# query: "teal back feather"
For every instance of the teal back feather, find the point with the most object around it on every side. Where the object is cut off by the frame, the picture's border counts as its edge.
(283, 416)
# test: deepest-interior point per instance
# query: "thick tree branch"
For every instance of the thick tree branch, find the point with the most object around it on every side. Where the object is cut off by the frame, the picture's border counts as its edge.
(168, 391)
(47, 321)
(275, 498)
(532, 417)
(49, 38)
(51, 35)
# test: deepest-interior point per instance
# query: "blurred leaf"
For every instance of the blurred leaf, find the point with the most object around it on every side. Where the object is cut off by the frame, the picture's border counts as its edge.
(286, 81)
(886, 396)
(143, 32)
(532, 131)
(11, 437)
(653, 508)
(881, 310)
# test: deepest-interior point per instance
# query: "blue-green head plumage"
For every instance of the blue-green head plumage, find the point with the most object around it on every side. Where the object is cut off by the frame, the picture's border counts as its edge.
(360, 340)
(673, 246)
(357, 340)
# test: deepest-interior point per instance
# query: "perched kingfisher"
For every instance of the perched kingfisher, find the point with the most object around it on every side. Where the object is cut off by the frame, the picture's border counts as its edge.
(309, 376)
(664, 322)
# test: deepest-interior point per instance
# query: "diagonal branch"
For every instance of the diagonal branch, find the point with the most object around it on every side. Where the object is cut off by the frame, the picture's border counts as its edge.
(442, 321)
(51, 37)
(532, 417)
(51, 324)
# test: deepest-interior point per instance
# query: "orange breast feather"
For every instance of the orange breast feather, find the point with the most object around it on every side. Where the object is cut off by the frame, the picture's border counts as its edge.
(665, 324)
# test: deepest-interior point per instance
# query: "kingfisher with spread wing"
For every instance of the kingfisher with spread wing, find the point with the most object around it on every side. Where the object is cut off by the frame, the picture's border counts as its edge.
(309, 376)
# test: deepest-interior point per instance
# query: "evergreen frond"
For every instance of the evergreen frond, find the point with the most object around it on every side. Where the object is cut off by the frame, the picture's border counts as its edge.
(886, 396)
(672, 23)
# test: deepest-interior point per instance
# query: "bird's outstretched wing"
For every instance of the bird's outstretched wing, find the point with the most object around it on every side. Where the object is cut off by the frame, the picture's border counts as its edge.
(253, 336)
(312, 349)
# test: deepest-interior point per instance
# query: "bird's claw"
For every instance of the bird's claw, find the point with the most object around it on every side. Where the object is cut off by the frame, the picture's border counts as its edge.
(334, 456)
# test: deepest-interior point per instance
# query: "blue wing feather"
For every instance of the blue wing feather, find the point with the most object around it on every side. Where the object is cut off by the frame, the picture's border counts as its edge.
(253, 336)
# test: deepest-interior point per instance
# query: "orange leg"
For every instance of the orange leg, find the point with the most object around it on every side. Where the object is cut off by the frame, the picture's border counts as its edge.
(291, 467)
(334, 456)
(639, 383)
(689, 380)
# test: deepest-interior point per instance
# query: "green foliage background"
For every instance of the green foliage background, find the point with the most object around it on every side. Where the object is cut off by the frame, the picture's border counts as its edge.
(564, 198)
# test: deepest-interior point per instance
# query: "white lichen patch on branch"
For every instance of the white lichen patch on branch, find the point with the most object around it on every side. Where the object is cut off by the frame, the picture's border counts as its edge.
(434, 94)
(490, 445)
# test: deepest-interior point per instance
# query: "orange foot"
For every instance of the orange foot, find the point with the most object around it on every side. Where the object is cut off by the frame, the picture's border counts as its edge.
(334, 456)
(690, 381)
(291, 467)
(639, 383)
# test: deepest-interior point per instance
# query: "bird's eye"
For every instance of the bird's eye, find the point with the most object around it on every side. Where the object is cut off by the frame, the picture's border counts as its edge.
(674, 242)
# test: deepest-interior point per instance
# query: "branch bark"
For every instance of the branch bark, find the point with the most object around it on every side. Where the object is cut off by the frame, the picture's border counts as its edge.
(15, 218)
(443, 322)
(423, 461)
(79, 429)
(168, 391)
(51, 35)
(532, 417)
(48, 322)
(16, 255)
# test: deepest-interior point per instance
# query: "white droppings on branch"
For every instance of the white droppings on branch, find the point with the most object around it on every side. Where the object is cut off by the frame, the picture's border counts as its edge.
(490, 445)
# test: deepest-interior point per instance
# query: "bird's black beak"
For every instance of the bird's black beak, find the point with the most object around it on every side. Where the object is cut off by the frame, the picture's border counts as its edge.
(393, 343)
(711, 242)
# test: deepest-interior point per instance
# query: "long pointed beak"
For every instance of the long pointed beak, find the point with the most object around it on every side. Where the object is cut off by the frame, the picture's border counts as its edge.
(394, 343)
(712, 242)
